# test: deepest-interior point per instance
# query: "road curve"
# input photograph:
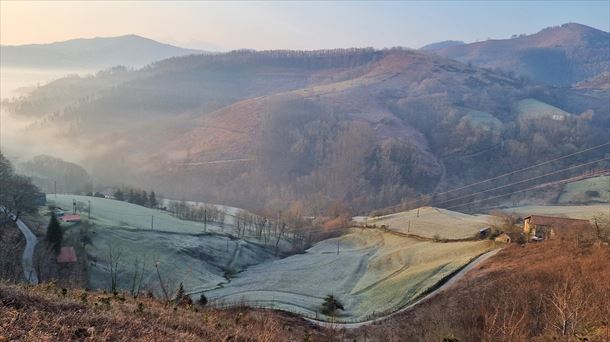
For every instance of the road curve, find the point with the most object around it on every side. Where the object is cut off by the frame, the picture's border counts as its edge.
(28, 253)
(445, 286)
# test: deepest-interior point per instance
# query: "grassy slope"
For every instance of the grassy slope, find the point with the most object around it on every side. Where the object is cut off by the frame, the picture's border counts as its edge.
(184, 251)
(510, 298)
(433, 221)
(374, 272)
(575, 192)
(571, 211)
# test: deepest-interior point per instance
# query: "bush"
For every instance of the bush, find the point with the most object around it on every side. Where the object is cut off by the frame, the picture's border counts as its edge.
(331, 305)
(592, 193)
(203, 300)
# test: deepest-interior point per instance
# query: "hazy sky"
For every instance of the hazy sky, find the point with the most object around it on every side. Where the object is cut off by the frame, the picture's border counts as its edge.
(291, 25)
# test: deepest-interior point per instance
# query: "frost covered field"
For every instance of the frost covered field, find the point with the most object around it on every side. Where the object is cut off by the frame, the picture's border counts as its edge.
(185, 251)
(430, 222)
(374, 272)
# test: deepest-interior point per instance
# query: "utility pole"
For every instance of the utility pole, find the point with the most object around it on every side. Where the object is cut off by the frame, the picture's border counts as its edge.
(152, 222)
(89, 209)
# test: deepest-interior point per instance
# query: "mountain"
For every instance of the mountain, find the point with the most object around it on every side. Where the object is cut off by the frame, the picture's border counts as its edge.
(129, 50)
(258, 130)
(441, 45)
(559, 56)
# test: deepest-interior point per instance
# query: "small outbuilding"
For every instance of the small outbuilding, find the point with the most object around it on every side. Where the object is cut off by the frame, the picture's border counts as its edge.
(66, 255)
(504, 238)
(70, 218)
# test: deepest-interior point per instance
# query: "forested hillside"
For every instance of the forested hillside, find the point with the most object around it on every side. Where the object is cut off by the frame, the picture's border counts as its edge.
(559, 55)
(367, 128)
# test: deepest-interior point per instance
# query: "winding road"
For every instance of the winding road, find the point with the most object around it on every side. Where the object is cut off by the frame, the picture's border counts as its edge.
(28, 253)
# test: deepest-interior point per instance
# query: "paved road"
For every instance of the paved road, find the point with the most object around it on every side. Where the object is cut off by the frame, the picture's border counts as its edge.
(442, 288)
(28, 252)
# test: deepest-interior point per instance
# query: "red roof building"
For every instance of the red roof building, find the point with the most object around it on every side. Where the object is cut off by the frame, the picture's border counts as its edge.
(70, 218)
(66, 255)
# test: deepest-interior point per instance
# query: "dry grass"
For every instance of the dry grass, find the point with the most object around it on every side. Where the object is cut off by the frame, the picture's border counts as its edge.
(44, 313)
(553, 291)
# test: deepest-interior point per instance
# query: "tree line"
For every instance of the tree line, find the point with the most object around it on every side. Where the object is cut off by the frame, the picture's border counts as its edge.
(136, 196)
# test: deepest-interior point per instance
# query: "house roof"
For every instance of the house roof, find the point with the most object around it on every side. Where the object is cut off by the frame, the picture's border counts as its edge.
(553, 220)
(70, 218)
(66, 255)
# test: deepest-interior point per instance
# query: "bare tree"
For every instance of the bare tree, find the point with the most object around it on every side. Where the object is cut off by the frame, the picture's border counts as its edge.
(114, 257)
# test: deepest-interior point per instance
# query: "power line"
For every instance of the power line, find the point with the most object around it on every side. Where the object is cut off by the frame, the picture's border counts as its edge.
(510, 193)
(503, 175)
(523, 181)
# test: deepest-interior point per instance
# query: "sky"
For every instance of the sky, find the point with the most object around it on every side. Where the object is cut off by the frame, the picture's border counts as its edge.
(291, 25)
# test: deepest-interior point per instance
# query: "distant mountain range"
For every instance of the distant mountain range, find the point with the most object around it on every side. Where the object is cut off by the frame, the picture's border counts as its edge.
(559, 56)
(99, 53)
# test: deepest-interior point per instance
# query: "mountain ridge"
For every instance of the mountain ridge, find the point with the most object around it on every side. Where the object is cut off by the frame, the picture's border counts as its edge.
(98, 52)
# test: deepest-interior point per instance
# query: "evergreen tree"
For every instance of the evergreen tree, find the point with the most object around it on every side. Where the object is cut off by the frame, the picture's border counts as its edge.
(54, 234)
(118, 194)
(331, 305)
(131, 197)
(152, 199)
(144, 199)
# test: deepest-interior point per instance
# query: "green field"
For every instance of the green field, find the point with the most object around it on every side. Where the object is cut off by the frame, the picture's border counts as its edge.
(580, 191)
(534, 109)
(586, 212)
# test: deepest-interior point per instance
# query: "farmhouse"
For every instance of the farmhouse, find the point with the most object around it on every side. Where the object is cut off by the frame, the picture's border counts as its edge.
(547, 226)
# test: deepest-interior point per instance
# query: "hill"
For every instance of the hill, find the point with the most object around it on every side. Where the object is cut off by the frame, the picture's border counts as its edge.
(99, 53)
(560, 55)
(260, 130)
(441, 45)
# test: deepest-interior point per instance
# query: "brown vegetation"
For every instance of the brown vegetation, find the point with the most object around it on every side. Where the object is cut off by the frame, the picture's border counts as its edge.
(50, 313)
(558, 290)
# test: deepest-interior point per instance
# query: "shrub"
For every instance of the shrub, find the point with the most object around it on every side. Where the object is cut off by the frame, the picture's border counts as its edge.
(592, 193)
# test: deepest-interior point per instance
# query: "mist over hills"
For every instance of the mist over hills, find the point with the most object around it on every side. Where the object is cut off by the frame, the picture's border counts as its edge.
(559, 55)
(364, 127)
(99, 52)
